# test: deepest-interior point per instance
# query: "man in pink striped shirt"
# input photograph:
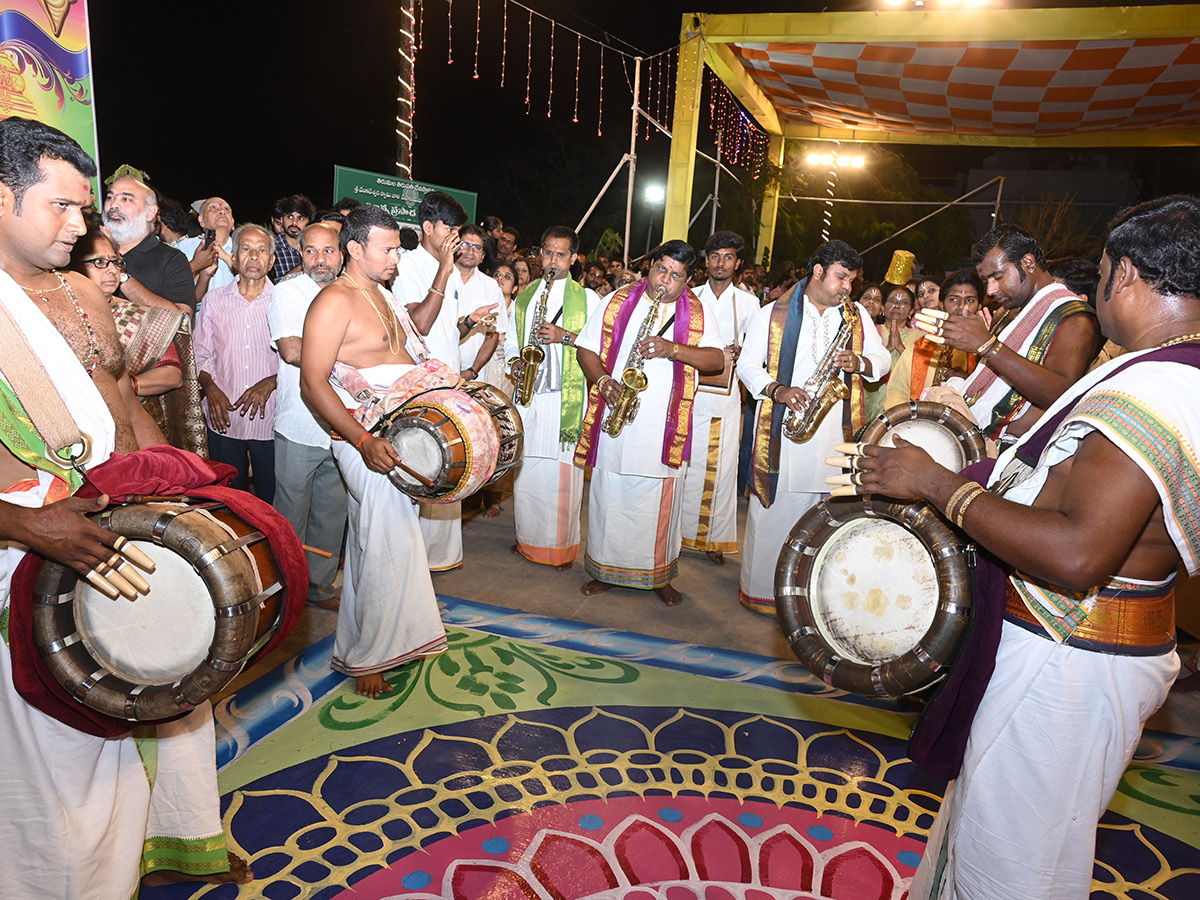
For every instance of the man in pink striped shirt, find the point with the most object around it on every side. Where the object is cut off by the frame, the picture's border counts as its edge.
(238, 367)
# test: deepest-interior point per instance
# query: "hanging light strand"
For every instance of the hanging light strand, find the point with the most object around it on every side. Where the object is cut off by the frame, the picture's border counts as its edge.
(450, 32)
(600, 112)
(529, 63)
(478, 12)
(504, 45)
(578, 50)
(550, 93)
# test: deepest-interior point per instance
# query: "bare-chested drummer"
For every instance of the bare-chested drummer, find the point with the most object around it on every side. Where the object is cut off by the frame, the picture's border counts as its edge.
(389, 614)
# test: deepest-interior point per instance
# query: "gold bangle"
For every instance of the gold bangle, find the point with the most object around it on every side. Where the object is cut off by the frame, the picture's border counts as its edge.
(437, 291)
(962, 509)
(674, 352)
(963, 490)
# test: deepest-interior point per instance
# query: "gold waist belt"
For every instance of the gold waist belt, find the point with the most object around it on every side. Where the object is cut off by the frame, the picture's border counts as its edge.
(1131, 623)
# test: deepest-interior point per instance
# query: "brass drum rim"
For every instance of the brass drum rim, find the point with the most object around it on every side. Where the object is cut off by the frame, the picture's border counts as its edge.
(511, 446)
(912, 671)
(966, 433)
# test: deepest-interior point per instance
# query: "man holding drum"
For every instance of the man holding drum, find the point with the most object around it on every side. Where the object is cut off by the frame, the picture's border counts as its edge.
(1091, 512)
(75, 809)
(389, 614)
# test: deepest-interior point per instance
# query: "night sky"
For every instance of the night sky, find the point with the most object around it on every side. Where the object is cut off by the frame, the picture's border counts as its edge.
(256, 100)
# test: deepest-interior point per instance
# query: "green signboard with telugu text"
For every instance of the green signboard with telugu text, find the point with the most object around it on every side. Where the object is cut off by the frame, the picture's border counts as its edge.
(399, 197)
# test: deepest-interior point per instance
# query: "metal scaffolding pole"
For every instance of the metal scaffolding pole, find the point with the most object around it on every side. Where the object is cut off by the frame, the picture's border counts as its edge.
(633, 134)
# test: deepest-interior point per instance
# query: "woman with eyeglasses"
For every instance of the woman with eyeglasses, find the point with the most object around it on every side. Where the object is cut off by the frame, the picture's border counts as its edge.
(157, 344)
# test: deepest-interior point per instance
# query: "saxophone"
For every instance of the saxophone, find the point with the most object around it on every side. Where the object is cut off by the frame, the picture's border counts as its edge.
(532, 353)
(633, 379)
(825, 386)
(941, 364)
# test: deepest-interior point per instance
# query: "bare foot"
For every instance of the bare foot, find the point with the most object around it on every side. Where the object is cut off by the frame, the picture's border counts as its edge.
(515, 550)
(493, 511)
(332, 603)
(565, 566)
(668, 595)
(239, 873)
(594, 587)
(716, 556)
(371, 685)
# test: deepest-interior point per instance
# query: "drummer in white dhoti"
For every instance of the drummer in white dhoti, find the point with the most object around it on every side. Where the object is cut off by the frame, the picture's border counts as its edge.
(634, 533)
(431, 286)
(710, 480)
(548, 489)
(1039, 343)
(389, 613)
(78, 811)
(786, 343)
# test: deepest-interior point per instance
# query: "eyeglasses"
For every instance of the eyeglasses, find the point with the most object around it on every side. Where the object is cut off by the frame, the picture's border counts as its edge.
(467, 245)
(103, 262)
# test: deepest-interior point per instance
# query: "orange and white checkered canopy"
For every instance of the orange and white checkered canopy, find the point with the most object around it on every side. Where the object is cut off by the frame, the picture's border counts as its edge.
(1098, 76)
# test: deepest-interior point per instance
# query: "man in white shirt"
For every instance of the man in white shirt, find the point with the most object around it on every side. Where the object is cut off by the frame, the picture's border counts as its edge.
(635, 502)
(211, 255)
(432, 288)
(309, 492)
(785, 342)
(548, 488)
(478, 289)
(710, 482)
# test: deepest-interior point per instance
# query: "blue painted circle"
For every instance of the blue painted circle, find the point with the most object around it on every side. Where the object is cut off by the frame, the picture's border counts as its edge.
(670, 814)
(820, 833)
(495, 845)
(414, 881)
(908, 858)
(750, 820)
(591, 823)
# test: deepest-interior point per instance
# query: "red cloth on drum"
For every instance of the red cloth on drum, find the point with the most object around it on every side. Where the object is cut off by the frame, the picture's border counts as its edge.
(154, 471)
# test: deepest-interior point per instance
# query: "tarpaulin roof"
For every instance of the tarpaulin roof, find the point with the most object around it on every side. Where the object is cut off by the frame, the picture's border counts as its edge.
(1101, 76)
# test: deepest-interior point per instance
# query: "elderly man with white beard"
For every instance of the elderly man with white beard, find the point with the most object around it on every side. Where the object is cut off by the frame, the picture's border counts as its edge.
(157, 275)
(309, 491)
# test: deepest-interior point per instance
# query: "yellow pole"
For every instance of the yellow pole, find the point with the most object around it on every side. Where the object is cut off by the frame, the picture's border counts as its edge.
(684, 126)
(770, 207)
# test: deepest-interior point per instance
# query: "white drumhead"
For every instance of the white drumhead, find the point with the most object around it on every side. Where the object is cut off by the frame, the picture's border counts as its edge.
(160, 637)
(874, 591)
(420, 450)
(934, 438)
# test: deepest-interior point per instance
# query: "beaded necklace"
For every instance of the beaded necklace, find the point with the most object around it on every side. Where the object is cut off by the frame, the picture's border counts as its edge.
(93, 349)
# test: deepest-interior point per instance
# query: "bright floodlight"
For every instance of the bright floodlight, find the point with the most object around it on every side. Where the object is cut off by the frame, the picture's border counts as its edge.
(813, 158)
(857, 162)
(826, 159)
(655, 194)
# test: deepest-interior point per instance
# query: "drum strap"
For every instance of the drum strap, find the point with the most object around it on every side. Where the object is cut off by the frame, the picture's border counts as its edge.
(32, 385)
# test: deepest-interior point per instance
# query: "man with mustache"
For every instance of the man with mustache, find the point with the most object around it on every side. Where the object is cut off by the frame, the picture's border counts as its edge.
(290, 216)
(158, 275)
(309, 491)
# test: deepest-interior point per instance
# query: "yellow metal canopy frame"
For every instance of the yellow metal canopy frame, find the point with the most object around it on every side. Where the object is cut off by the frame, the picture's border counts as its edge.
(1087, 77)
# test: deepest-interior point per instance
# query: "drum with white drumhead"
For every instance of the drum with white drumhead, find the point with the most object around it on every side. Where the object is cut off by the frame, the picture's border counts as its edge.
(943, 432)
(875, 597)
(216, 597)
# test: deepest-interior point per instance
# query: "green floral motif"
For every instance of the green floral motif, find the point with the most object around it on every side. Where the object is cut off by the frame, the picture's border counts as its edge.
(1155, 785)
(479, 673)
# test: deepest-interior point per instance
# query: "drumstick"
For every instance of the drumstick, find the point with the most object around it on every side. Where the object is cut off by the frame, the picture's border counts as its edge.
(317, 550)
(415, 474)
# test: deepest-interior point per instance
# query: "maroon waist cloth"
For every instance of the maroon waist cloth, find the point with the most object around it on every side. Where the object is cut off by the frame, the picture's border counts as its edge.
(939, 740)
(155, 471)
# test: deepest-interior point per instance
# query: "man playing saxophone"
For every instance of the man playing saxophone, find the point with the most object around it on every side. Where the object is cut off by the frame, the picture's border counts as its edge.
(658, 334)
(548, 489)
(790, 344)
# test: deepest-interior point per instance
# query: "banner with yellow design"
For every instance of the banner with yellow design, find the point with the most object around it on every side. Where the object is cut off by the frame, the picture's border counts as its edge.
(46, 66)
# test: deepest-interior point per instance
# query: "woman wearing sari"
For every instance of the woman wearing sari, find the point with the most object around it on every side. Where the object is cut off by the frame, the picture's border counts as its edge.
(157, 344)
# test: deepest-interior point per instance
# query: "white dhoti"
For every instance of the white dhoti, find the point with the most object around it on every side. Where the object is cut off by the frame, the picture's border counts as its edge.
(441, 531)
(710, 481)
(389, 613)
(77, 811)
(766, 530)
(1022, 830)
(547, 496)
(633, 530)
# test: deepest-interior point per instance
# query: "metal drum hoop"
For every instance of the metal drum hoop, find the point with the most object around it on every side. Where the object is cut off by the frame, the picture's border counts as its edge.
(966, 433)
(239, 604)
(927, 662)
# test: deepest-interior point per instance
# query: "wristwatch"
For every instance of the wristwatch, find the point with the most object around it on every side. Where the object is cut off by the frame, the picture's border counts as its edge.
(568, 339)
(124, 277)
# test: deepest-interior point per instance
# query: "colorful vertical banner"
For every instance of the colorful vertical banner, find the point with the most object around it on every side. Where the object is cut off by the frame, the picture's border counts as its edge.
(46, 66)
